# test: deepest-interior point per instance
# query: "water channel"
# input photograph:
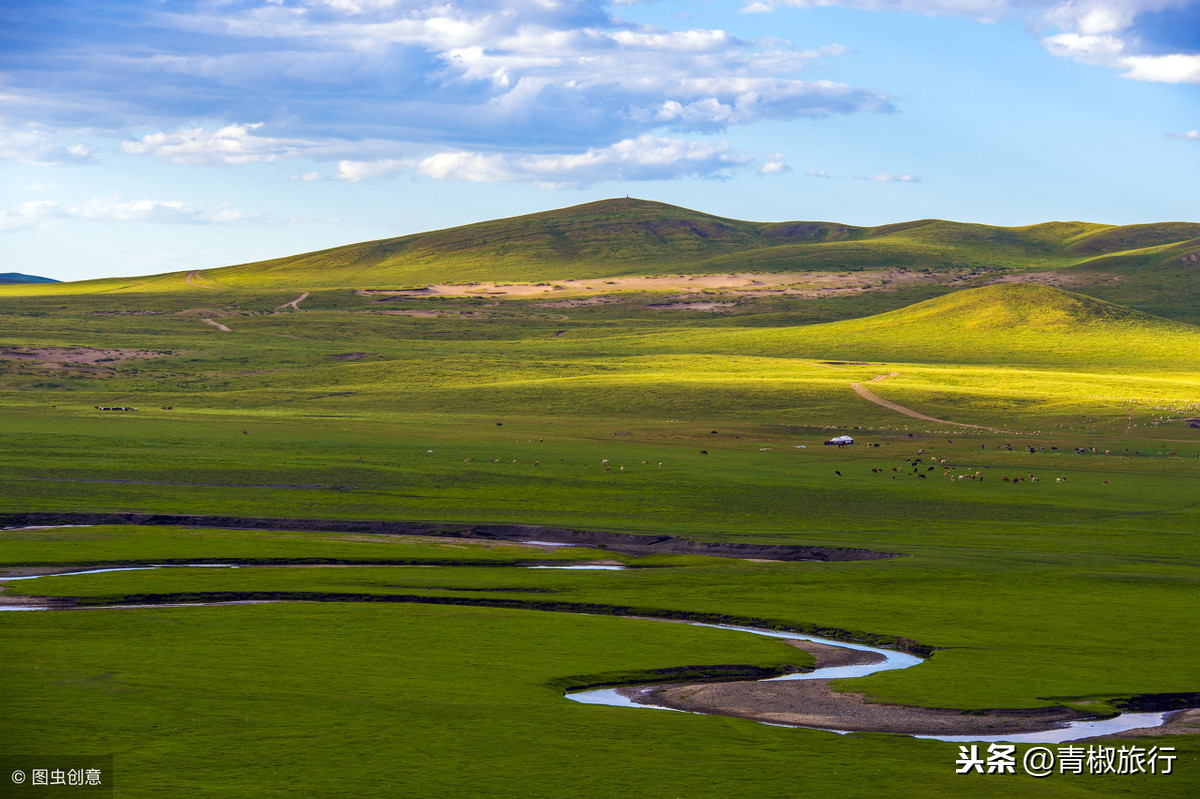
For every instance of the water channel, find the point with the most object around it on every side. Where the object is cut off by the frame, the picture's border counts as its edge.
(890, 660)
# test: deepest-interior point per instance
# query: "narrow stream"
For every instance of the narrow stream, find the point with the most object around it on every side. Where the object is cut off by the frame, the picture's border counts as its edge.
(892, 660)
(608, 696)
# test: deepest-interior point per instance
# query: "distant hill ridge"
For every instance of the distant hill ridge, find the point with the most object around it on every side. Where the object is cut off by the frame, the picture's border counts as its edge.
(628, 236)
(17, 277)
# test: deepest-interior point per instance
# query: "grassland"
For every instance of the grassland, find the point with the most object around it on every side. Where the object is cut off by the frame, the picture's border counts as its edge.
(606, 416)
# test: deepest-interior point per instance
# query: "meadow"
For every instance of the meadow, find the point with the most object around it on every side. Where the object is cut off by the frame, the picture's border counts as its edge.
(444, 677)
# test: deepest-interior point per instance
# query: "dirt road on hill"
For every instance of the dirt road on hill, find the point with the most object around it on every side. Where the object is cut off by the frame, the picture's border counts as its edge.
(294, 304)
(192, 277)
(870, 396)
(217, 325)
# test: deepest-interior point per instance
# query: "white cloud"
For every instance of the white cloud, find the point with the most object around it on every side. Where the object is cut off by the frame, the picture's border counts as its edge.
(981, 10)
(502, 69)
(357, 171)
(642, 158)
(306, 177)
(777, 164)
(27, 214)
(232, 144)
(1175, 68)
(34, 145)
(819, 173)
(50, 213)
(1094, 32)
(1191, 135)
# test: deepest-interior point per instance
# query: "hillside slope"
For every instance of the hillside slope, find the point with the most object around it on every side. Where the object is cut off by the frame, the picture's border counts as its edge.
(1017, 323)
(629, 236)
(1147, 266)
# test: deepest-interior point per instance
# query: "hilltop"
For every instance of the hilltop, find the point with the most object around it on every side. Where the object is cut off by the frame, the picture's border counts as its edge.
(17, 277)
(617, 237)
(1150, 267)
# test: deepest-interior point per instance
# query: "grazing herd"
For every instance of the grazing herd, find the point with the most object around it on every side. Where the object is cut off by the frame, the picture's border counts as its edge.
(917, 467)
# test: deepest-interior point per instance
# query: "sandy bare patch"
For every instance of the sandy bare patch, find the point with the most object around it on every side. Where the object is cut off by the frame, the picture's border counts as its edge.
(1059, 279)
(62, 356)
(813, 703)
(803, 284)
(1182, 722)
(691, 306)
(195, 313)
(828, 656)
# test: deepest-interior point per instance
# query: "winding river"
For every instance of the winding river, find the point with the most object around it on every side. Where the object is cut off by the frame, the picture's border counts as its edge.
(891, 660)
(888, 660)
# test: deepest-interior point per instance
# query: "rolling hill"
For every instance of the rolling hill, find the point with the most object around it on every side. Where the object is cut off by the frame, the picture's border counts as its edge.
(1008, 323)
(628, 236)
(17, 277)
(1149, 267)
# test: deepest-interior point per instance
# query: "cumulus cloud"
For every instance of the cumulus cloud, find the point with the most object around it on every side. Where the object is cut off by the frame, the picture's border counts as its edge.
(642, 158)
(32, 144)
(357, 171)
(473, 74)
(1105, 33)
(232, 144)
(48, 213)
(777, 164)
(1191, 135)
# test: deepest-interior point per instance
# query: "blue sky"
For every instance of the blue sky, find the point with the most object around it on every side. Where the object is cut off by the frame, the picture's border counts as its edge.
(142, 136)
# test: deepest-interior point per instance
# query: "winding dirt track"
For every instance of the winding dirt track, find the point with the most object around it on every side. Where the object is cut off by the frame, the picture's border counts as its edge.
(192, 277)
(294, 304)
(880, 401)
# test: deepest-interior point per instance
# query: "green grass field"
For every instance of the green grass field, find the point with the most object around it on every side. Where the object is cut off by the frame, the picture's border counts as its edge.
(613, 416)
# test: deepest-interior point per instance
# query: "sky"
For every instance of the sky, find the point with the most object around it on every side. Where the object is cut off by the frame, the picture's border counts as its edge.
(147, 136)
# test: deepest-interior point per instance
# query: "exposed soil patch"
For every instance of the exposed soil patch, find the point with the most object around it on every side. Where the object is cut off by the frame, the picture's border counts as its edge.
(211, 313)
(1181, 722)
(62, 356)
(1059, 279)
(813, 703)
(691, 306)
(800, 284)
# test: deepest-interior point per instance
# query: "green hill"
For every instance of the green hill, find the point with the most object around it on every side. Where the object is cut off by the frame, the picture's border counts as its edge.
(17, 277)
(629, 236)
(1014, 323)
(1146, 266)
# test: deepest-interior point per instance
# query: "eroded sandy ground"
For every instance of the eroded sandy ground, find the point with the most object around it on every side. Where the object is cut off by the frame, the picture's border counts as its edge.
(814, 703)
(796, 284)
(58, 357)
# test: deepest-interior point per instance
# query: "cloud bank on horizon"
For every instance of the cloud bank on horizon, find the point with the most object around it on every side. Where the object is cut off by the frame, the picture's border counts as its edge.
(542, 94)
